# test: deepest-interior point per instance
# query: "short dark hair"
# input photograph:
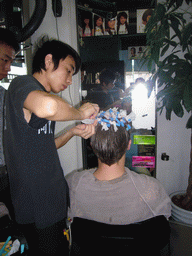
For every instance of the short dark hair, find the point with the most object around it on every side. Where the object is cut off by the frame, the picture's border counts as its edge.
(109, 146)
(58, 49)
(8, 37)
(107, 76)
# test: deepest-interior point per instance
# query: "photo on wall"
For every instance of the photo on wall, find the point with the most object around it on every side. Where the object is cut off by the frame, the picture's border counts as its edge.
(99, 26)
(143, 15)
(136, 52)
(123, 22)
(85, 23)
(111, 26)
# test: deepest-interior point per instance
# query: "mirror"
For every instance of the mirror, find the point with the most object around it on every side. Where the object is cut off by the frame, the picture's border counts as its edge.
(111, 44)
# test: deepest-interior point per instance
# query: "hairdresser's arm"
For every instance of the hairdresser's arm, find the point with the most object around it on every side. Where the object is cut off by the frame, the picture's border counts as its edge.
(52, 107)
(82, 130)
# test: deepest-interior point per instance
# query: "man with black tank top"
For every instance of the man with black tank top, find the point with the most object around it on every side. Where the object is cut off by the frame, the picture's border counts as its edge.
(38, 187)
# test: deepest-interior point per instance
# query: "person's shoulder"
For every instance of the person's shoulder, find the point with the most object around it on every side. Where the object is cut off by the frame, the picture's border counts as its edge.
(22, 78)
(2, 89)
(25, 83)
(145, 181)
(20, 81)
(148, 185)
(96, 89)
(75, 174)
(74, 177)
(21, 86)
(153, 194)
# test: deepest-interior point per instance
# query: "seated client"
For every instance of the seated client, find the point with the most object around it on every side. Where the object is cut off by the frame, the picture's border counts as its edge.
(111, 193)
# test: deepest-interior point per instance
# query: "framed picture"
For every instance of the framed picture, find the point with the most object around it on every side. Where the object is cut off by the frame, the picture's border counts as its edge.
(99, 26)
(111, 26)
(136, 52)
(143, 16)
(123, 22)
(85, 21)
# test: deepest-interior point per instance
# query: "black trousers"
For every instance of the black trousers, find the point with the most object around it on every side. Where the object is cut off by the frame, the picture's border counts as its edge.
(48, 241)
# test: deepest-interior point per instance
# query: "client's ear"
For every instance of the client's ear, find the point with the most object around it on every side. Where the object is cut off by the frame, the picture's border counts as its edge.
(129, 145)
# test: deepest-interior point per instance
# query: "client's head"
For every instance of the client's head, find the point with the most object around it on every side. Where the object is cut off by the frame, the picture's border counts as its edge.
(112, 136)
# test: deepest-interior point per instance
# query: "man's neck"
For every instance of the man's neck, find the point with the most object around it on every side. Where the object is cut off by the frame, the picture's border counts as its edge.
(41, 78)
(106, 172)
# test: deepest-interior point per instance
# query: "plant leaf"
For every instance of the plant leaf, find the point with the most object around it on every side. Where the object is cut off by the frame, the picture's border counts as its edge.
(188, 56)
(178, 109)
(186, 34)
(149, 64)
(171, 42)
(187, 96)
(179, 3)
(168, 113)
(188, 1)
(164, 49)
(189, 123)
(175, 22)
(172, 2)
(161, 10)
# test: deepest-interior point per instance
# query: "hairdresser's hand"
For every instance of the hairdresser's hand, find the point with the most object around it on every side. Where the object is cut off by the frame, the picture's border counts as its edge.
(89, 110)
(84, 130)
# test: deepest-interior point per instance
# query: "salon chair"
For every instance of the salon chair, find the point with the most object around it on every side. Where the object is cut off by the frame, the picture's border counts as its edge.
(150, 237)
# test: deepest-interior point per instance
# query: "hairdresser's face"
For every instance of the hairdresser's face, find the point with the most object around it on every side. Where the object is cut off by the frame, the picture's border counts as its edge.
(109, 86)
(7, 55)
(58, 80)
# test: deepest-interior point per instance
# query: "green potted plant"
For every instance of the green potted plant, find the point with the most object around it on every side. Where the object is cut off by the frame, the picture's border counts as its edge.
(169, 41)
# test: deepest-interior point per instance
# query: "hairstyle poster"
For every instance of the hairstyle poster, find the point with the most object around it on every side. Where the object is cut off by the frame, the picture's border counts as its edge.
(98, 26)
(143, 15)
(85, 23)
(123, 22)
(136, 52)
(111, 26)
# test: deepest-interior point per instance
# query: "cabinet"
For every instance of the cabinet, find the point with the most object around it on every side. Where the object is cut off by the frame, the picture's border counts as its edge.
(107, 48)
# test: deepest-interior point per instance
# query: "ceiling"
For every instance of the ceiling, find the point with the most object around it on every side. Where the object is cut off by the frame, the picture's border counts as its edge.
(109, 8)
(111, 5)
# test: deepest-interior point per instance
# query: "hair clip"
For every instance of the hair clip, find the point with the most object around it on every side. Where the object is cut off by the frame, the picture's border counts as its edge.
(116, 118)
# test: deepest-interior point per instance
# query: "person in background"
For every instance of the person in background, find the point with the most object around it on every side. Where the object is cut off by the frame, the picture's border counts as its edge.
(106, 93)
(111, 193)
(9, 47)
(38, 187)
